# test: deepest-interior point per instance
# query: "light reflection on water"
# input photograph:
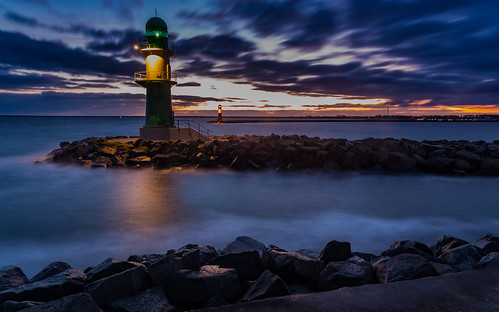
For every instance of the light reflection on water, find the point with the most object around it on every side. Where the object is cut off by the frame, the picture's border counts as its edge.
(83, 216)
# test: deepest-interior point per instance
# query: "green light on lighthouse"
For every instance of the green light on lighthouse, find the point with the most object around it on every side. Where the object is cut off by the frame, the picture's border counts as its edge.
(157, 79)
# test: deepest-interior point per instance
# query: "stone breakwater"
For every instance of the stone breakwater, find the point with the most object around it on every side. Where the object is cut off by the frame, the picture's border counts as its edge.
(196, 276)
(287, 152)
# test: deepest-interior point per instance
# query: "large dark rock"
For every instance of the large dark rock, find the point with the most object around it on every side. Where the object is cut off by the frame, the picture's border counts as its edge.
(107, 268)
(462, 258)
(397, 161)
(190, 257)
(65, 283)
(490, 261)
(445, 243)
(76, 302)
(442, 268)
(146, 259)
(403, 267)
(267, 285)
(353, 272)
(487, 244)
(247, 264)
(11, 276)
(408, 247)
(150, 300)
(14, 306)
(243, 243)
(292, 266)
(210, 285)
(310, 252)
(50, 270)
(335, 251)
(119, 285)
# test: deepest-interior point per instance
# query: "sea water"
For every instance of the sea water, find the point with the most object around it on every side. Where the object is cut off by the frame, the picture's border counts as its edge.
(83, 216)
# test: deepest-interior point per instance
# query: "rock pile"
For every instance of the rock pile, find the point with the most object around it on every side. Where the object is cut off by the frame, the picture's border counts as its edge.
(197, 276)
(287, 152)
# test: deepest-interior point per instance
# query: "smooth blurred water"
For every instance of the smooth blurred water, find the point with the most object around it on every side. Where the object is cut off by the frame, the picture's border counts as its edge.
(83, 216)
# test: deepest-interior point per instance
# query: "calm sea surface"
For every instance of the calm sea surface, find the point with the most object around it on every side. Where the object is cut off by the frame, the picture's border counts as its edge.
(82, 216)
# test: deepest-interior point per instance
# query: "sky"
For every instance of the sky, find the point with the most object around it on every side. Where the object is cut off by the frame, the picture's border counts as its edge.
(254, 57)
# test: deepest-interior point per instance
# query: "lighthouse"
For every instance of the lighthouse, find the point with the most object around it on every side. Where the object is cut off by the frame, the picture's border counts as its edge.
(158, 81)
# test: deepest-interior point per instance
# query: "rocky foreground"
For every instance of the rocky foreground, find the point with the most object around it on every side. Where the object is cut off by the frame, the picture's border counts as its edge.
(197, 276)
(287, 152)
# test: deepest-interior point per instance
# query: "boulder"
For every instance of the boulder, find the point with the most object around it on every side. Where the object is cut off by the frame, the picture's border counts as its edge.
(50, 270)
(462, 258)
(240, 162)
(119, 285)
(14, 306)
(468, 156)
(292, 266)
(439, 164)
(487, 244)
(445, 243)
(139, 160)
(408, 247)
(403, 267)
(247, 264)
(490, 261)
(65, 283)
(106, 151)
(76, 302)
(353, 272)
(146, 259)
(243, 243)
(335, 251)
(150, 300)
(366, 256)
(267, 285)
(190, 257)
(101, 162)
(397, 161)
(211, 285)
(11, 276)
(310, 252)
(442, 268)
(107, 268)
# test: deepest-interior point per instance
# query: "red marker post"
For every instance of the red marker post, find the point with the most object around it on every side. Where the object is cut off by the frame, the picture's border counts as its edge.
(219, 114)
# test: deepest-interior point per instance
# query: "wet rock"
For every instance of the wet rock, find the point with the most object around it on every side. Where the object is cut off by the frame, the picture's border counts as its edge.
(366, 256)
(310, 252)
(65, 283)
(14, 306)
(292, 266)
(408, 247)
(50, 270)
(150, 300)
(490, 261)
(267, 285)
(247, 264)
(487, 244)
(335, 251)
(119, 285)
(445, 243)
(101, 162)
(468, 156)
(353, 272)
(240, 162)
(189, 289)
(11, 276)
(439, 164)
(462, 258)
(190, 257)
(397, 161)
(403, 267)
(107, 268)
(146, 259)
(106, 151)
(139, 161)
(139, 151)
(76, 302)
(243, 243)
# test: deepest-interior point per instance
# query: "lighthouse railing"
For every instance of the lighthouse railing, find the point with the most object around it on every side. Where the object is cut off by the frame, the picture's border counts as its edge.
(154, 75)
(192, 125)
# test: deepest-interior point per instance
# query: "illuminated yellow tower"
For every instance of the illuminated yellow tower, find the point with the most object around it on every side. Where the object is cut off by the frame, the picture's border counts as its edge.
(158, 81)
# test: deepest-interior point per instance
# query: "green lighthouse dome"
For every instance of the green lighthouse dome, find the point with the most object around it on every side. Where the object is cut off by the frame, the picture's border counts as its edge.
(156, 27)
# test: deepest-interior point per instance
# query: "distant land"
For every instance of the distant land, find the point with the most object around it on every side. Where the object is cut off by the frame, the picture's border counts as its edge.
(338, 118)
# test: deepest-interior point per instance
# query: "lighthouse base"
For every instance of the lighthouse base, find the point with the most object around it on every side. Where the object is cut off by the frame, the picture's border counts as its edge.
(170, 134)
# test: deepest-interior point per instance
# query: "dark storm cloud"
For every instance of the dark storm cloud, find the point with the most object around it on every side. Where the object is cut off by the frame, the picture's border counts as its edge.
(48, 103)
(55, 56)
(219, 47)
(452, 47)
(189, 84)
